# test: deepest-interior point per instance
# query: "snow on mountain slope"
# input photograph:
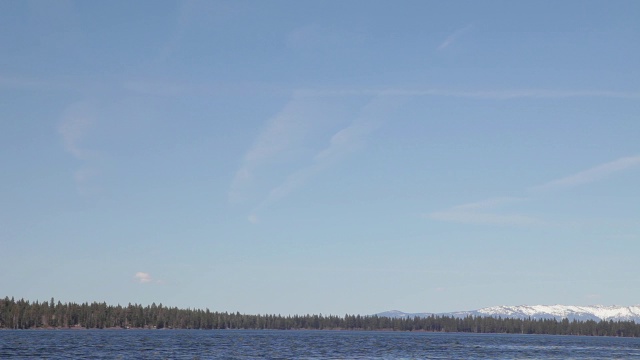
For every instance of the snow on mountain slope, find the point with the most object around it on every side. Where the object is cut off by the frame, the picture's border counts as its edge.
(559, 312)
(400, 314)
(594, 312)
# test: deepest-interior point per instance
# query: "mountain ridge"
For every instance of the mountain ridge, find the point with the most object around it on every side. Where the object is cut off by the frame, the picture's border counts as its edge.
(558, 312)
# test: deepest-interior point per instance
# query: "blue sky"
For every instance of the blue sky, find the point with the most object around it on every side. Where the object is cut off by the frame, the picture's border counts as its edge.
(320, 157)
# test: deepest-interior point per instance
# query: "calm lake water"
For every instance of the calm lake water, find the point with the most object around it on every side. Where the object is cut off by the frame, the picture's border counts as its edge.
(267, 344)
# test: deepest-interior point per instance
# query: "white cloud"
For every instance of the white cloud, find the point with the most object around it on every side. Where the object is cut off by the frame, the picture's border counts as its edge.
(286, 141)
(591, 175)
(282, 133)
(453, 37)
(484, 212)
(343, 142)
(143, 277)
(351, 137)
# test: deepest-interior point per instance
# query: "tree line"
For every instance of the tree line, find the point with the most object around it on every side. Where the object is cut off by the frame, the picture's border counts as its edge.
(22, 314)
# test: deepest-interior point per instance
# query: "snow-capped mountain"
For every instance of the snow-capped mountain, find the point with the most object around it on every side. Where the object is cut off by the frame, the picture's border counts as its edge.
(593, 312)
(400, 314)
(559, 312)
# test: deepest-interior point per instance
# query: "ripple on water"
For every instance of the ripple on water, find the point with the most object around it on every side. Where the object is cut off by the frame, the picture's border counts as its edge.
(268, 344)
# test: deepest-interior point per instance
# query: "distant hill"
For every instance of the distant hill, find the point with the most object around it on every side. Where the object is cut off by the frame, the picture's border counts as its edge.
(399, 314)
(559, 312)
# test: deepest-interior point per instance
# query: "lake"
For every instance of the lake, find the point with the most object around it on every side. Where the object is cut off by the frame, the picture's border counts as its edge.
(273, 344)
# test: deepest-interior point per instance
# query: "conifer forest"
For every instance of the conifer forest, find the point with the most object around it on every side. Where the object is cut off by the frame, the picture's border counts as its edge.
(23, 314)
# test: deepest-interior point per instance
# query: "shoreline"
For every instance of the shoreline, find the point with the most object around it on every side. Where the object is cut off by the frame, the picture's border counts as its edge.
(110, 329)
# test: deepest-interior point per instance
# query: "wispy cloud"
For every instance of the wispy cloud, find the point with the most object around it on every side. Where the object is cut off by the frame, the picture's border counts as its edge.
(468, 217)
(487, 212)
(596, 173)
(283, 132)
(484, 212)
(253, 218)
(76, 122)
(166, 88)
(85, 179)
(344, 141)
(183, 19)
(313, 37)
(157, 88)
(143, 277)
(53, 84)
(454, 36)
(505, 94)
(13, 82)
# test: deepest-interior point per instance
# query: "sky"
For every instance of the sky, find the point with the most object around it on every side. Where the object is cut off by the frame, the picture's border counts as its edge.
(306, 157)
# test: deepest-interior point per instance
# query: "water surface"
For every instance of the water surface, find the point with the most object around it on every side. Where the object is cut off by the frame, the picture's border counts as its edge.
(273, 344)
